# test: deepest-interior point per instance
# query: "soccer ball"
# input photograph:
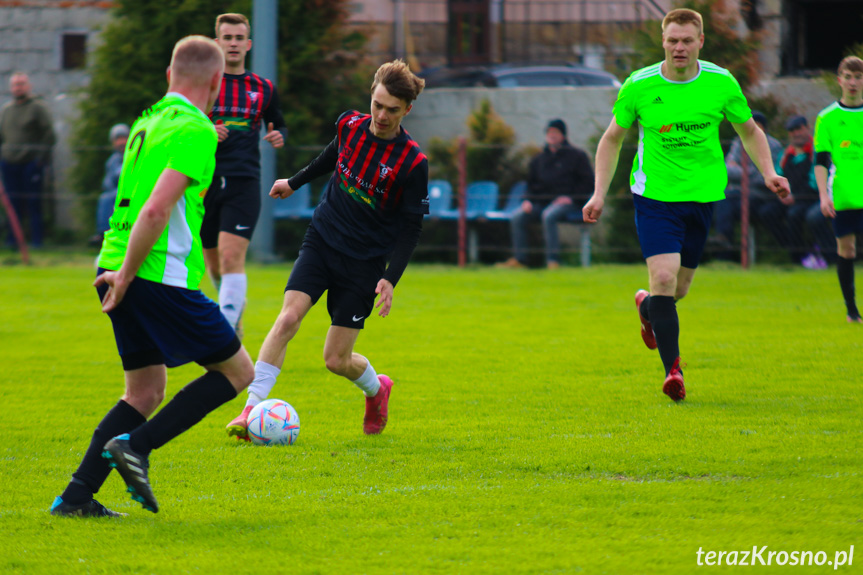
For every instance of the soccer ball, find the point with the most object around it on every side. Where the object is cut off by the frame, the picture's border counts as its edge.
(273, 422)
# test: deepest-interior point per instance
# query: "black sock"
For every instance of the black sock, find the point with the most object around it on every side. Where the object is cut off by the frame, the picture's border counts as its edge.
(845, 271)
(666, 328)
(94, 469)
(644, 308)
(188, 407)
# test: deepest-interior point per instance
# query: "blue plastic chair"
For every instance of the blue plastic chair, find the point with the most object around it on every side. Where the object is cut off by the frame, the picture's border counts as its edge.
(481, 198)
(298, 206)
(440, 199)
(513, 202)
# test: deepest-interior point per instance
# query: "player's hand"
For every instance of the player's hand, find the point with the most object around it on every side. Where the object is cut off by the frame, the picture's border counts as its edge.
(116, 290)
(526, 206)
(221, 130)
(274, 137)
(281, 189)
(787, 200)
(385, 290)
(593, 209)
(827, 208)
(778, 185)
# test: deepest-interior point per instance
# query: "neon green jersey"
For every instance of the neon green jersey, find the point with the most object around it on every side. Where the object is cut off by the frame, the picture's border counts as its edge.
(679, 156)
(172, 134)
(839, 130)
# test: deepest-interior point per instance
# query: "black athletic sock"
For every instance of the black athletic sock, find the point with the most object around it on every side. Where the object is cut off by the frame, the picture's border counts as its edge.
(644, 308)
(666, 328)
(94, 469)
(845, 271)
(188, 407)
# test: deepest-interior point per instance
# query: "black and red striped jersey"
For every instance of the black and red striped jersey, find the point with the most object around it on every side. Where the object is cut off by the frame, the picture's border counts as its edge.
(374, 183)
(245, 103)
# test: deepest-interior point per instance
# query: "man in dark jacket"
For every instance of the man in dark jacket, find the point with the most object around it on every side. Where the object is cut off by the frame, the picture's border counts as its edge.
(560, 180)
(26, 138)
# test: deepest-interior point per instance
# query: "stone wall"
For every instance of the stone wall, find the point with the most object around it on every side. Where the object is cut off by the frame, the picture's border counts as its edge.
(31, 41)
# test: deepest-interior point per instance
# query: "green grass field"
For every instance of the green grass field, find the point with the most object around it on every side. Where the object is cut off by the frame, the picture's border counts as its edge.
(528, 433)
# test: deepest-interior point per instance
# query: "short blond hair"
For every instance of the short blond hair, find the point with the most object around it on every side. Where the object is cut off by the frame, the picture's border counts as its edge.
(397, 78)
(233, 18)
(195, 59)
(682, 17)
(850, 64)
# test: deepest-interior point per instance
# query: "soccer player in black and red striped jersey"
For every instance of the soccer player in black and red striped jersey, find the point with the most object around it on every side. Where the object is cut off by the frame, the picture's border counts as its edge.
(246, 102)
(372, 210)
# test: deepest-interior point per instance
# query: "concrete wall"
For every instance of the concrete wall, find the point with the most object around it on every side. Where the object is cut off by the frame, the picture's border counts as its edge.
(30, 40)
(443, 112)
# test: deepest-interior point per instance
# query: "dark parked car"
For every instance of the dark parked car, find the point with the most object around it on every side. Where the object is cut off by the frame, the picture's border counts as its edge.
(510, 76)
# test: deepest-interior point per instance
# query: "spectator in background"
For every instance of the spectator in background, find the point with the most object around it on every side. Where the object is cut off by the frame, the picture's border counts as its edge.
(798, 165)
(765, 206)
(118, 136)
(26, 138)
(560, 179)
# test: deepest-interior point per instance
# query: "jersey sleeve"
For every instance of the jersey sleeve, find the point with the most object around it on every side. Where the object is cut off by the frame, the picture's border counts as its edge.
(736, 107)
(821, 139)
(624, 107)
(192, 149)
(416, 195)
(273, 113)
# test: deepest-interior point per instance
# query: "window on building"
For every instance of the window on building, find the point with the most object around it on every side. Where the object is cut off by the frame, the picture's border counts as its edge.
(73, 50)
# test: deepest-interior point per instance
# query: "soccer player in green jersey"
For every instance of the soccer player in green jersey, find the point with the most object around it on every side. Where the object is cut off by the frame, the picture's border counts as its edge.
(678, 172)
(150, 267)
(839, 173)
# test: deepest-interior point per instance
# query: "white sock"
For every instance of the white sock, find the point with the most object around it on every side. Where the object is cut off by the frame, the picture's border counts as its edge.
(368, 381)
(265, 379)
(232, 297)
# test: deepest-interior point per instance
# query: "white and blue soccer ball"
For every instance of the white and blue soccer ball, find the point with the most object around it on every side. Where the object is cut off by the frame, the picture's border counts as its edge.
(273, 422)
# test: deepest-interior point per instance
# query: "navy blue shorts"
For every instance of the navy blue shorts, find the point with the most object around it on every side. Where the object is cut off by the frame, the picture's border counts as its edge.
(673, 228)
(157, 324)
(350, 283)
(232, 205)
(848, 222)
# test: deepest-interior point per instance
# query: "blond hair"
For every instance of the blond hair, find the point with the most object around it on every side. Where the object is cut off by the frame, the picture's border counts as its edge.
(397, 78)
(233, 18)
(195, 59)
(683, 16)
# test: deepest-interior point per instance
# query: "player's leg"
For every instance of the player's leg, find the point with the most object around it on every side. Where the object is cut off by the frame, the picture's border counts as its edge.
(341, 359)
(186, 326)
(308, 281)
(238, 217)
(232, 266)
(847, 250)
(847, 224)
(271, 357)
(661, 233)
(145, 389)
(210, 229)
(350, 301)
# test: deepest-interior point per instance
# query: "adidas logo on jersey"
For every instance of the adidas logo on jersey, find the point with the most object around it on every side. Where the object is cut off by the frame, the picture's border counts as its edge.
(658, 100)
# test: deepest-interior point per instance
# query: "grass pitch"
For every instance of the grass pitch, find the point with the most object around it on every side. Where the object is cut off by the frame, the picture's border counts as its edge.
(528, 432)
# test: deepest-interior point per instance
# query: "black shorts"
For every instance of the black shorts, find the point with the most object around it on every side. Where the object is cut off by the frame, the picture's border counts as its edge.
(350, 282)
(157, 324)
(231, 205)
(673, 228)
(848, 222)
